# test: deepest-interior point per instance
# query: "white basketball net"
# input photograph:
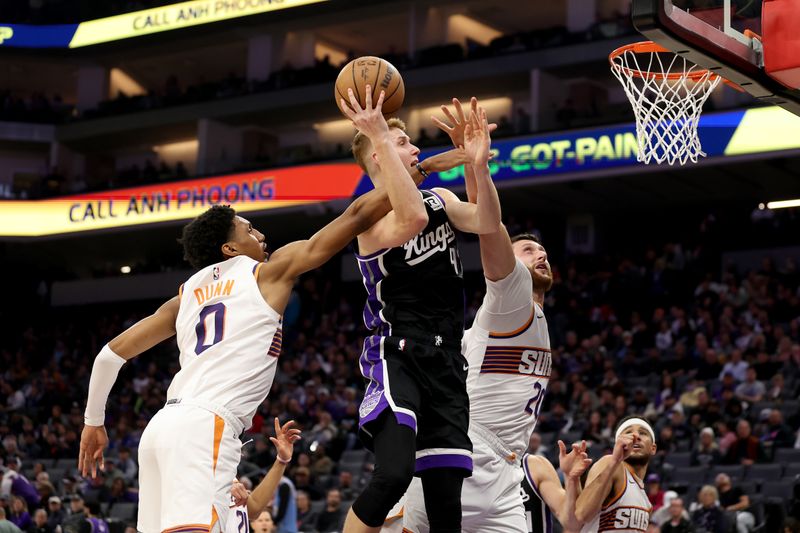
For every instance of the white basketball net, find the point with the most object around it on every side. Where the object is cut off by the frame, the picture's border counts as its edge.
(667, 96)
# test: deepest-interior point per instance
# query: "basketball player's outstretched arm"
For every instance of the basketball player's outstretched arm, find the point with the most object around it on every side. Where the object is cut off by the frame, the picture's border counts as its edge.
(136, 339)
(562, 500)
(497, 255)
(484, 216)
(606, 479)
(408, 215)
(276, 278)
(284, 439)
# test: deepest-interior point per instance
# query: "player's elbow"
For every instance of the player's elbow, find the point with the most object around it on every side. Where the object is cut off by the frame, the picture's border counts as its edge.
(490, 226)
(413, 224)
(582, 513)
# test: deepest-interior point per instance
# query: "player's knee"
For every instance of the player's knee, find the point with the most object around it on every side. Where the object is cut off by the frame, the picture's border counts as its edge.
(392, 480)
(387, 486)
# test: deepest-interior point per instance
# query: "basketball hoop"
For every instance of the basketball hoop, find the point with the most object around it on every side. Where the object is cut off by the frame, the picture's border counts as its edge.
(667, 93)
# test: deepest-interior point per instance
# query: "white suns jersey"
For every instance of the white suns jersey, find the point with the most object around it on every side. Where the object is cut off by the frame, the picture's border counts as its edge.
(238, 521)
(629, 511)
(508, 351)
(229, 339)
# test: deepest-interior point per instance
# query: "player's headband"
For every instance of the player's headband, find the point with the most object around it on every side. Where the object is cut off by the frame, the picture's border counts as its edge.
(635, 422)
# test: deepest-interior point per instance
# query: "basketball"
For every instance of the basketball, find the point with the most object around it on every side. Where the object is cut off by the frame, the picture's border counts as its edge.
(377, 73)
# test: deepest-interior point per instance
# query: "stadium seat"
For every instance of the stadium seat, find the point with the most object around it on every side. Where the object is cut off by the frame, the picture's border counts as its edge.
(789, 408)
(691, 475)
(735, 472)
(570, 437)
(778, 489)
(787, 455)
(352, 456)
(67, 463)
(748, 487)
(318, 506)
(679, 459)
(791, 470)
(123, 511)
(764, 473)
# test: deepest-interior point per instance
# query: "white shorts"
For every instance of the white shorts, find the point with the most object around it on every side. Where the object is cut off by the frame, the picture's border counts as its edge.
(187, 461)
(491, 501)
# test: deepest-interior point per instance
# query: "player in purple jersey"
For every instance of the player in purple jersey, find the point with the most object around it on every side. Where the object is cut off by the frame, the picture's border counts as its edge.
(415, 412)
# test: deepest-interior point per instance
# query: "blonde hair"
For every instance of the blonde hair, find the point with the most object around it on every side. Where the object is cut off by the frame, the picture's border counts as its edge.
(361, 145)
(708, 489)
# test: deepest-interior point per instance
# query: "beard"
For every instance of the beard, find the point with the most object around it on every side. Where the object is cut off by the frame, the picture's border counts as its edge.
(541, 282)
(638, 460)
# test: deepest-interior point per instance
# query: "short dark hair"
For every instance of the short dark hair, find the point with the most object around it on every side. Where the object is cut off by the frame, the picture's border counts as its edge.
(203, 237)
(526, 237)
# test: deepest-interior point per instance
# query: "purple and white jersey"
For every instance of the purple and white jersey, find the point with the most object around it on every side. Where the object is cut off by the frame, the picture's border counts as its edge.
(417, 287)
(508, 351)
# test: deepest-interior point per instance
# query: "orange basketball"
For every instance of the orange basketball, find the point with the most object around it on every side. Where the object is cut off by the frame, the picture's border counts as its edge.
(379, 74)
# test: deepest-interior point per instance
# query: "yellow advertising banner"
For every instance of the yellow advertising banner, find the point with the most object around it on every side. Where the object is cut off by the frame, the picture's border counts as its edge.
(180, 200)
(174, 16)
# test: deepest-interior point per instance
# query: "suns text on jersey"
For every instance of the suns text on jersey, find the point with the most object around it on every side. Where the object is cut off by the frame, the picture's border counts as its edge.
(212, 290)
(536, 362)
(631, 518)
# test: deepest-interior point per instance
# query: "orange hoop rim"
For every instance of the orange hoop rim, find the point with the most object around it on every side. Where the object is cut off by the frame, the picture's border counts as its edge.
(649, 47)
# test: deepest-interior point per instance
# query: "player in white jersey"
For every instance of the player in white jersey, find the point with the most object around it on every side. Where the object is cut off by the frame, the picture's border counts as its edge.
(227, 318)
(614, 497)
(508, 353)
(245, 504)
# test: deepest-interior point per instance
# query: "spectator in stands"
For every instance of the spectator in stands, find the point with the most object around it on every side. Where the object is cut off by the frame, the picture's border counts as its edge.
(678, 519)
(302, 481)
(657, 518)
(321, 464)
(127, 465)
(40, 524)
(76, 521)
(285, 506)
(777, 390)
(306, 518)
(332, 517)
(5, 525)
(777, 434)
(535, 446)
(734, 499)
(750, 390)
(120, 493)
(346, 488)
(93, 517)
(709, 516)
(655, 493)
(56, 512)
(19, 513)
(736, 367)
(706, 453)
(791, 525)
(709, 368)
(593, 432)
(14, 483)
(746, 449)
(263, 524)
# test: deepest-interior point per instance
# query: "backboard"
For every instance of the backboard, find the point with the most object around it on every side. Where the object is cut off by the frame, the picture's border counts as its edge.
(715, 34)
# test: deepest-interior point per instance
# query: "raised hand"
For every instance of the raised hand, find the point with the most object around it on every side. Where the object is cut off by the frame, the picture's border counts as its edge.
(284, 440)
(477, 139)
(574, 463)
(94, 440)
(623, 448)
(459, 121)
(369, 120)
(239, 494)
